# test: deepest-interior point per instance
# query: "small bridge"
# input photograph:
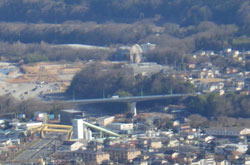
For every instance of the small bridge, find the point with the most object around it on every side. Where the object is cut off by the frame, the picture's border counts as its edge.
(131, 100)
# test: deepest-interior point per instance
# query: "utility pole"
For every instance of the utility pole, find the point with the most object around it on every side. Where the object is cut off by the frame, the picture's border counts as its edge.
(103, 93)
(141, 90)
(73, 97)
(19, 36)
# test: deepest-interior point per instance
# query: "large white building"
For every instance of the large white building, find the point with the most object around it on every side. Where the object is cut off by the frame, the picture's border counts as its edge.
(80, 131)
(77, 128)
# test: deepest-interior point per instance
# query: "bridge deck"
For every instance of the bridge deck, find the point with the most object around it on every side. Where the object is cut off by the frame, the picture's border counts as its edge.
(129, 99)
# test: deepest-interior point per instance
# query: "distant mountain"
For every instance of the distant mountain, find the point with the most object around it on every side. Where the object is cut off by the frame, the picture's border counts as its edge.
(184, 12)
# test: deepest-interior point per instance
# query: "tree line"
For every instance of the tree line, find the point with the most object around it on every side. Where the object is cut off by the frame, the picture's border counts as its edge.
(9, 106)
(28, 53)
(180, 12)
(100, 80)
(177, 27)
(205, 35)
(174, 42)
(213, 105)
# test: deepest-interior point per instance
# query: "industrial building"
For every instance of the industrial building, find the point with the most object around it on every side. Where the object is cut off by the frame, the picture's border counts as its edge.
(67, 115)
(106, 120)
(80, 131)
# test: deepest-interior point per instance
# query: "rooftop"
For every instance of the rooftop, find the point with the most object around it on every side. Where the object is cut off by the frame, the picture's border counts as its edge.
(71, 111)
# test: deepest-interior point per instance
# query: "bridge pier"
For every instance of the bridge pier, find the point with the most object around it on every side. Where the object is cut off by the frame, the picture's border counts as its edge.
(132, 108)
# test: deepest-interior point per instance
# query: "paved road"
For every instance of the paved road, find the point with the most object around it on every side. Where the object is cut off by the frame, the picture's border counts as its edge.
(127, 99)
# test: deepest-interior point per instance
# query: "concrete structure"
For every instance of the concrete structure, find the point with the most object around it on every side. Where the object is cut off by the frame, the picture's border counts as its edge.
(82, 46)
(146, 68)
(30, 125)
(101, 129)
(122, 126)
(54, 128)
(135, 54)
(78, 129)
(71, 146)
(132, 107)
(131, 100)
(106, 120)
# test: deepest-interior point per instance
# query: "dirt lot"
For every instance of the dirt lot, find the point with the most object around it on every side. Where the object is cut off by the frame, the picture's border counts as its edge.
(34, 80)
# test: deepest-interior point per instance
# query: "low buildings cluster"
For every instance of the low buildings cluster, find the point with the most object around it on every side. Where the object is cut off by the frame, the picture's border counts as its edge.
(115, 140)
(179, 144)
(209, 74)
(209, 71)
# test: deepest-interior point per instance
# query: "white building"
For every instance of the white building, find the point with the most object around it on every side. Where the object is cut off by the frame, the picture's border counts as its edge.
(80, 131)
(122, 126)
(106, 120)
(77, 128)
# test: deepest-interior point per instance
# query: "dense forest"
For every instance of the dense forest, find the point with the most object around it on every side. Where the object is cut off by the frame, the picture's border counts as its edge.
(214, 105)
(184, 12)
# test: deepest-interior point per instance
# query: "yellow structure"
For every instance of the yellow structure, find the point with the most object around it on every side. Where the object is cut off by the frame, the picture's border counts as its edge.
(43, 129)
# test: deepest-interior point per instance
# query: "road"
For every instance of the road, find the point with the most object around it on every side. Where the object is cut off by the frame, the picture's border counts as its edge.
(126, 99)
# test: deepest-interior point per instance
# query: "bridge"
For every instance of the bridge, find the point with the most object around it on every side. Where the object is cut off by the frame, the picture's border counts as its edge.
(131, 100)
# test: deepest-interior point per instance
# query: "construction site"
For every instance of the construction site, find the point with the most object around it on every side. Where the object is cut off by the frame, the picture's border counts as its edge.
(35, 80)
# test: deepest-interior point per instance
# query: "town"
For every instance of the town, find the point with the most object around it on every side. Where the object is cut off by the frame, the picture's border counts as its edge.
(169, 134)
(125, 82)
